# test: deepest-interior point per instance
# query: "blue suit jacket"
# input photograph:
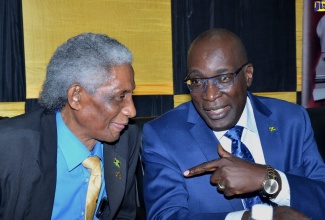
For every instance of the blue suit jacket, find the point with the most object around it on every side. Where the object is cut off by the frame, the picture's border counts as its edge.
(180, 139)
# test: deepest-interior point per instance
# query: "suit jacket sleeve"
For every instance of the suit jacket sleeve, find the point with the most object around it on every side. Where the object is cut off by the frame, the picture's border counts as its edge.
(292, 149)
(307, 175)
(27, 166)
(166, 193)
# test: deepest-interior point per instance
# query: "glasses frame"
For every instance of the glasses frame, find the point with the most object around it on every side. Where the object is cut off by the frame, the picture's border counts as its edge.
(213, 80)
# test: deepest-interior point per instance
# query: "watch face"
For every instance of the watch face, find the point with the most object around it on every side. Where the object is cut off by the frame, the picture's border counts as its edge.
(270, 186)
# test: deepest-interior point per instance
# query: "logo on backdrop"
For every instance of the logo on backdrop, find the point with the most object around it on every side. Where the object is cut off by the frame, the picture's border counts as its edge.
(319, 6)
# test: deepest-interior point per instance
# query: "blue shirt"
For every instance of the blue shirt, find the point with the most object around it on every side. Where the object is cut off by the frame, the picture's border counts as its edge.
(72, 176)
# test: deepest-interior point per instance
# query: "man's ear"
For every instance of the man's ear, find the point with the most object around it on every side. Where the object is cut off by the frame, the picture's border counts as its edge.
(249, 74)
(74, 96)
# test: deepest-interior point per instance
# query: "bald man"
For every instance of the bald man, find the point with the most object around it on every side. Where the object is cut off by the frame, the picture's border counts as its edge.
(195, 167)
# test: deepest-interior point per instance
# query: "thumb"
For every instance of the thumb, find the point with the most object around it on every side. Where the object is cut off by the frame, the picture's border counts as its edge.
(222, 152)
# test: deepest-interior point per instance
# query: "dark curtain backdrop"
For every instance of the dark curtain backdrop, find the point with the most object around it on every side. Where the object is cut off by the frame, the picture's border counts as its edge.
(267, 29)
(12, 65)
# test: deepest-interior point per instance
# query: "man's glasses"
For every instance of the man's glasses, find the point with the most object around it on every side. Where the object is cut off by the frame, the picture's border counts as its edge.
(222, 81)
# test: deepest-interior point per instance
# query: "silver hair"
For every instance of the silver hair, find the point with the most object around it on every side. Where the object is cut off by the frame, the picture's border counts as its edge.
(85, 59)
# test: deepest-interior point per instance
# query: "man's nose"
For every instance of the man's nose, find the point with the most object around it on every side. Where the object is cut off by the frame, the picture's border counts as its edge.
(129, 110)
(212, 91)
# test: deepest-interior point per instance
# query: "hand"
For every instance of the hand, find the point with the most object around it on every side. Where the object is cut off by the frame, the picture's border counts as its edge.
(231, 174)
(287, 213)
(282, 213)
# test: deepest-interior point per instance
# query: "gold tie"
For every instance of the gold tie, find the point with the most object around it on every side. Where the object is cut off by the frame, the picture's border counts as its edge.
(95, 181)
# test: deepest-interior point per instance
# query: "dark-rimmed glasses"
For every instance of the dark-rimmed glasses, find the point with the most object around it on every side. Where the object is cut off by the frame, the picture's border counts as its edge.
(222, 81)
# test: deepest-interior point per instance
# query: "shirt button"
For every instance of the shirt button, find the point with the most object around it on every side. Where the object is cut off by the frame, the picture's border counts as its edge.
(82, 213)
(87, 180)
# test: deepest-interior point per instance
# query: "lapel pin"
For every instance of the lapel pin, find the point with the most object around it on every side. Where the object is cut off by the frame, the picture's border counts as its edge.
(272, 128)
(118, 175)
(117, 162)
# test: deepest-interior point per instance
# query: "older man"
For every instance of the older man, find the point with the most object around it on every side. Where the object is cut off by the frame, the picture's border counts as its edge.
(87, 103)
(271, 143)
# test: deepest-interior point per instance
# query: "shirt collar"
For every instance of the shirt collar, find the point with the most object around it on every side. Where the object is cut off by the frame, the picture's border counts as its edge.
(246, 120)
(73, 150)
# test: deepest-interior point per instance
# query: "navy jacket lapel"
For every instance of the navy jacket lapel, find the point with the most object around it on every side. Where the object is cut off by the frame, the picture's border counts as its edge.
(203, 135)
(207, 142)
(115, 176)
(268, 130)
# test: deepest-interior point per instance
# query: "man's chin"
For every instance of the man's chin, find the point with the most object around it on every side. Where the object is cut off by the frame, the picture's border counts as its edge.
(112, 138)
(219, 126)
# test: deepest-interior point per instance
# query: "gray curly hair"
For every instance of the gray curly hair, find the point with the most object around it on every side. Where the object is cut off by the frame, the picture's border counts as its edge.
(83, 59)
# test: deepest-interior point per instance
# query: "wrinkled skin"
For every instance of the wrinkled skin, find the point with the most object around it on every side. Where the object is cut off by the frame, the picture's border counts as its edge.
(103, 115)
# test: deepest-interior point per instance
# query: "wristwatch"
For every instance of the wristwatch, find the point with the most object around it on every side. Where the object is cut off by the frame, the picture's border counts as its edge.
(270, 185)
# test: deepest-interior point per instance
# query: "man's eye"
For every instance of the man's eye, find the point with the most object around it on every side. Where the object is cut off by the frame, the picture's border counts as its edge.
(121, 97)
(224, 78)
(197, 82)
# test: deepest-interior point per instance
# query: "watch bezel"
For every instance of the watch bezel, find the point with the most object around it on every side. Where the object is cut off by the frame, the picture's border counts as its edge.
(270, 185)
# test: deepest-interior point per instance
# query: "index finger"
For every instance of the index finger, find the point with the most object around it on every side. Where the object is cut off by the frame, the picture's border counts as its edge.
(205, 167)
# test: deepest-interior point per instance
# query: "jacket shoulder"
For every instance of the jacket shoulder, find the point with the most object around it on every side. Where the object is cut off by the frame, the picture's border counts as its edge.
(174, 117)
(29, 121)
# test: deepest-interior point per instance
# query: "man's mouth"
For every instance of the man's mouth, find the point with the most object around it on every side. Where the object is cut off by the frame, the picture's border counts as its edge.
(218, 113)
(119, 126)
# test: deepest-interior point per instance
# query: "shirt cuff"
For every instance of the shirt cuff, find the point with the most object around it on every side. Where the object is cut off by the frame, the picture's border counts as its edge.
(283, 198)
(235, 215)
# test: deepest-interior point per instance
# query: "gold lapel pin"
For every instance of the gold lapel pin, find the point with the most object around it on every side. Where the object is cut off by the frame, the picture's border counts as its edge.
(272, 128)
(117, 162)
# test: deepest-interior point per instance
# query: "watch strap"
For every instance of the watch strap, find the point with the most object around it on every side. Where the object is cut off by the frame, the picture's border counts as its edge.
(270, 184)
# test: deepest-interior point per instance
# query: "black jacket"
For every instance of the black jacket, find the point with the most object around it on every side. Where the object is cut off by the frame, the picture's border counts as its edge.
(28, 150)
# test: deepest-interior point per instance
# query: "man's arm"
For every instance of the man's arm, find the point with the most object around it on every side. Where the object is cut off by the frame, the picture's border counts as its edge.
(165, 192)
(232, 175)
(229, 174)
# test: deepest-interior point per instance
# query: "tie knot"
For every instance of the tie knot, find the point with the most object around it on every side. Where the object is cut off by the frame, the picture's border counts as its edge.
(93, 165)
(235, 133)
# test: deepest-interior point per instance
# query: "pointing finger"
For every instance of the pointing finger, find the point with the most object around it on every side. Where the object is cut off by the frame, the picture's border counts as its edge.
(202, 168)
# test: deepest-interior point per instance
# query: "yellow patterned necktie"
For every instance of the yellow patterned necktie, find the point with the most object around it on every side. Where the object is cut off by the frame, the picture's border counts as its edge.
(95, 181)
